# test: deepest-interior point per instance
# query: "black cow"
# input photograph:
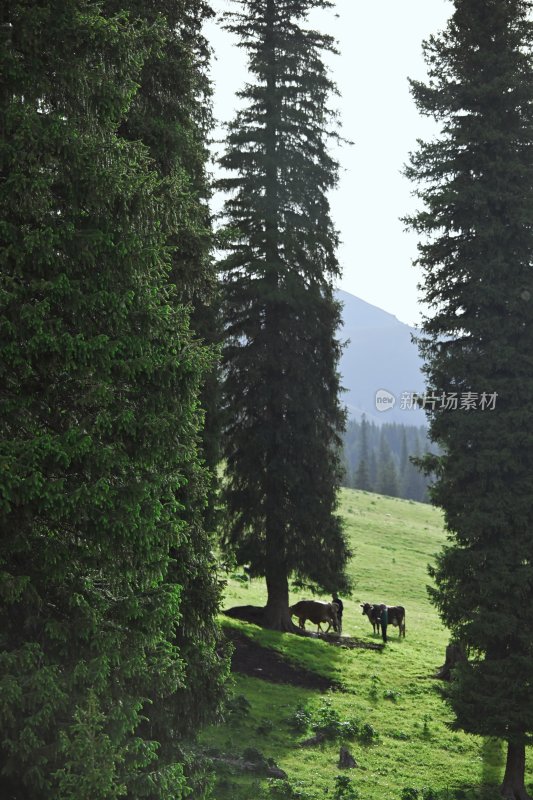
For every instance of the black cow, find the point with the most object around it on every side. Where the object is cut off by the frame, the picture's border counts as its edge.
(395, 614)
(373, 612)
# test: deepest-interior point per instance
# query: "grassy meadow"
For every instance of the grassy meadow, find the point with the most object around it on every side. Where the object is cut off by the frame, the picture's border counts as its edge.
(389, 708)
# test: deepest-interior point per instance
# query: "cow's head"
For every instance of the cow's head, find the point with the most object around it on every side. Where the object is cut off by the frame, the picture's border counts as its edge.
(366, 608)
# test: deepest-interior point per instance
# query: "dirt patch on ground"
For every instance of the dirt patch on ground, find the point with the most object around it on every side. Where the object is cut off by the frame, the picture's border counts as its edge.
(256, 661)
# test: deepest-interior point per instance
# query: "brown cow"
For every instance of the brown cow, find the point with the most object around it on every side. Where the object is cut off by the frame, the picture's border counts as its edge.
(316, 612)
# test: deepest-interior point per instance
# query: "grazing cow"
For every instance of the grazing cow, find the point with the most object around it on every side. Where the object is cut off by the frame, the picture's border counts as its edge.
(316, 612)
(396, 616)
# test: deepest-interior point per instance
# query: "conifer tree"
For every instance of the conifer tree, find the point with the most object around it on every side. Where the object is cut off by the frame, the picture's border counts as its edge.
(171, 115)
(281, 354)
(362, 475)
(387, 479)
(476, 181)
(99, 421)
(404, 459)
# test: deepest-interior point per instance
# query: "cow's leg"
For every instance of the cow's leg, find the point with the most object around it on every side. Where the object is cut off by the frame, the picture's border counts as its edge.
(301, 623)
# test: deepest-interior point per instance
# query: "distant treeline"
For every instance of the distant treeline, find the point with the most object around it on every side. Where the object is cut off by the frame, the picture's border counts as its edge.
(377, 459)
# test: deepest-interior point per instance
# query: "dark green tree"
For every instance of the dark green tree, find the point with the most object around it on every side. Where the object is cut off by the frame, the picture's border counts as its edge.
(404, 457)
(415, 483)
(99, 426)
(281, 355)
(362, 474)
(476, 181)
(171, 115)
(387, 478)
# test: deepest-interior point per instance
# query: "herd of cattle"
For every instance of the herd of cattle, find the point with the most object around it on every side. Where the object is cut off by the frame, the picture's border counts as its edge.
(319, 612)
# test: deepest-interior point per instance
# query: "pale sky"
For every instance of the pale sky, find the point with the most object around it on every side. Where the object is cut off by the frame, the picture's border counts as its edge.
(380, 46)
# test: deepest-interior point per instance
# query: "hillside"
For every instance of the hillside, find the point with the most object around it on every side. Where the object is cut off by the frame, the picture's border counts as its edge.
(400, 735)
(380, 354)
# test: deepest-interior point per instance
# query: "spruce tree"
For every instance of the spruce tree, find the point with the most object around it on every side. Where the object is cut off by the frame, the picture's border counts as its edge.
(281, 355)
(362, 475)
(171, 115)
(99, 422)
(387, 479)
(476, 181)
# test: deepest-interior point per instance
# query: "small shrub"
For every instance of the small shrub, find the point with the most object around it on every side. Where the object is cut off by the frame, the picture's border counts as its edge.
(237, 707)
(328, 722)
(349, 728)
(300, 719)
(344, 789)
(368, 733)
(265, 727)
(426, 793)
(287, 790)
(390, 694)
(374, 687)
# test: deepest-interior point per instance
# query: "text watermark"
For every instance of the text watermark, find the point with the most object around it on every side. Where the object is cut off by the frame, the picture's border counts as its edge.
(436, 401)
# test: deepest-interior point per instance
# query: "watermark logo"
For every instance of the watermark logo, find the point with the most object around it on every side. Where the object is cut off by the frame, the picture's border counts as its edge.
(437, 401)
(385, 401)
(449, 401)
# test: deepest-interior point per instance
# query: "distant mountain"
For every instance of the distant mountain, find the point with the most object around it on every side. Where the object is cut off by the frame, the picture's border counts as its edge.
(380, 355)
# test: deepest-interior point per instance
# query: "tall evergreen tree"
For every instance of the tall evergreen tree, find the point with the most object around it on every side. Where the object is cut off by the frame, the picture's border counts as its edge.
(362, 474)
(404, 458)
(99, 421)
(387, 479)
(171, 115)
(281, 355)
(476, 180)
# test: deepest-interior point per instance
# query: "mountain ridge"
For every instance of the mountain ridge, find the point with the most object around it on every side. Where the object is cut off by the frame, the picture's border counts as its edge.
(379, 354)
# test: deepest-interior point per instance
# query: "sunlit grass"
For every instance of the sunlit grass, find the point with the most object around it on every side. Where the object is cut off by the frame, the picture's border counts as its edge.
(393, 691)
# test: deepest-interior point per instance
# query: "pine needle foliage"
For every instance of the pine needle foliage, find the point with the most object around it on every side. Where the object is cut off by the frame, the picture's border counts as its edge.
(171, 115)
(476, 183)
(281, 355)
(99, 423)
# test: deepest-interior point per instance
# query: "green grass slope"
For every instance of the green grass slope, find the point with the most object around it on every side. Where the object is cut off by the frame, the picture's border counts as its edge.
(396, 724)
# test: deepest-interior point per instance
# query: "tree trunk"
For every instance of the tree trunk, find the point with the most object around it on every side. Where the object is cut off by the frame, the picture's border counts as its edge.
(513, 786)
(277, 615)
(454, 655)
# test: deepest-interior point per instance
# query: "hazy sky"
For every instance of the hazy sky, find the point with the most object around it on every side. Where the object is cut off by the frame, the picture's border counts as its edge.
(380, 45)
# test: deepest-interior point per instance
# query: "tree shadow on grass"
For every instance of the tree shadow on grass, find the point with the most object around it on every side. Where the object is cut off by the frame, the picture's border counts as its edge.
(493, 763)
(254, 615)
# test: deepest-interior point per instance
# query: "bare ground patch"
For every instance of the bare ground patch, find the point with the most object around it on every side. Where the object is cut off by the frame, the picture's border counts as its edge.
(256, 661)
